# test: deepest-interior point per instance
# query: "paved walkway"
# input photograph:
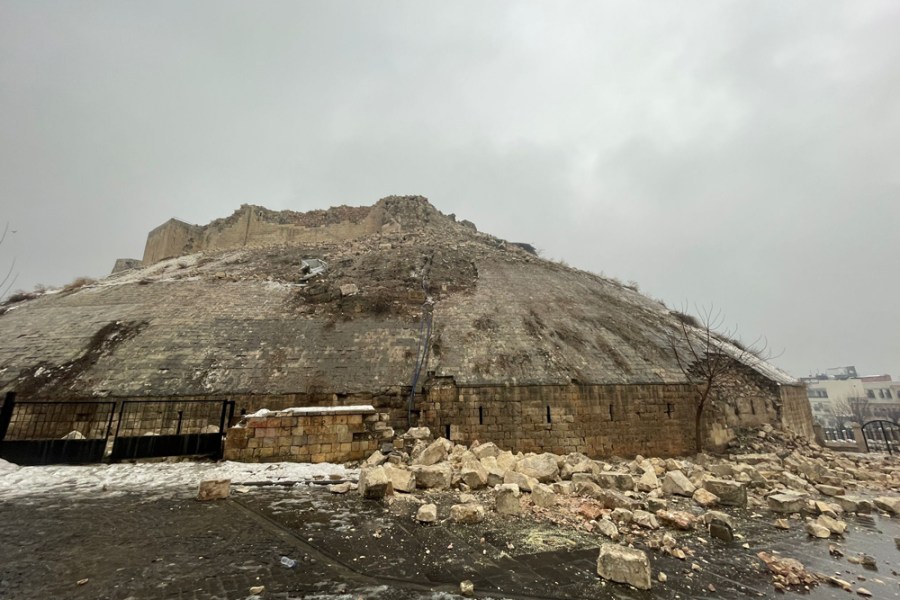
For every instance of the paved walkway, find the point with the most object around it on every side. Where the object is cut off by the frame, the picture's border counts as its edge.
(347, 548)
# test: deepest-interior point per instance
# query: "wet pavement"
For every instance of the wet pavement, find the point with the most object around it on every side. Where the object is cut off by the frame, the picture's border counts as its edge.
(127, 546)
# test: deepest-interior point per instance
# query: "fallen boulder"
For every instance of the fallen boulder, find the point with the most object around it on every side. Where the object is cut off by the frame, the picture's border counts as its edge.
(832, 525)
(543, 467)
(608, 528)
(618, 481)
(438, 477)
(647, 482)
(543, 496)
(495, 473)
(830, 490)
(855, 504)
(402, 479)
(644, 519)
(507, 499)
(889, 504)
(374, 483)
(523, 481)
(676, 483)
(434, 453)
(816, 530)
(676, 518)
(624, 565)
(486, 450)
(719, 526)
(427, 513)
(214, 489)
(730, 493)
(705, 498)
(474, 475)
(469, 513)
(786, 503)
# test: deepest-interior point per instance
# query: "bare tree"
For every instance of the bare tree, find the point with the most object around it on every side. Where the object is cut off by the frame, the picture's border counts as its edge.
(854, 408)
(9, 278)
(705, 354)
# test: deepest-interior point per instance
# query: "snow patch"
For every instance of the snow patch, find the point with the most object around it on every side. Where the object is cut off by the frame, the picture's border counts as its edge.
(153, 479)
(314, 410)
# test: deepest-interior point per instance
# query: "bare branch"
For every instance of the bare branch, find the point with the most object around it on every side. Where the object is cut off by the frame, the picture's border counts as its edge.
(705, 352)
(10, 278)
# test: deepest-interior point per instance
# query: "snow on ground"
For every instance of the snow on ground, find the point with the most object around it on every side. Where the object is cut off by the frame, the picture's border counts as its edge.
(153, 479)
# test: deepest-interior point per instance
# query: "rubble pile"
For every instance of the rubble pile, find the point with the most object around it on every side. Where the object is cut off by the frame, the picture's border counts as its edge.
(665, 505)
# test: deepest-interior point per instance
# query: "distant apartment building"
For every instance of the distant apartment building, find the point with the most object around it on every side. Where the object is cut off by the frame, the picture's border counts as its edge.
(841, 396)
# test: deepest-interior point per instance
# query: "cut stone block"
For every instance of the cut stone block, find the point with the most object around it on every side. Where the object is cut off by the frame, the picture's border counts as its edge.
(624, 565)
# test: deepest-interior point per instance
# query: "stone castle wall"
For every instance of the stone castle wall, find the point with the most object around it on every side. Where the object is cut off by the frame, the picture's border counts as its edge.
(603, 420)
(256, 226)
(796, 415)
(598, 420)
(311, 435)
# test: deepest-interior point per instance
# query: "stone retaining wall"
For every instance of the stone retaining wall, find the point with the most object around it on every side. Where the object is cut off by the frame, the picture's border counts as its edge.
(605, 420)
(333, 434)
(598, 420)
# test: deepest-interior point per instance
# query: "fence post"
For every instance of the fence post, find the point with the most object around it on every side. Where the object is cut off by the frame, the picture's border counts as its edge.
(887, 442)
(222, 417)
(6, 413)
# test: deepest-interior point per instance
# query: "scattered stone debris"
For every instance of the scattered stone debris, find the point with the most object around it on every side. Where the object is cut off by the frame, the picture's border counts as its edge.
(665, 505)
(788, 572)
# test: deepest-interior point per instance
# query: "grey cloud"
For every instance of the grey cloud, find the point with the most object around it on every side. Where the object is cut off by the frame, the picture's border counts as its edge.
(735, 153)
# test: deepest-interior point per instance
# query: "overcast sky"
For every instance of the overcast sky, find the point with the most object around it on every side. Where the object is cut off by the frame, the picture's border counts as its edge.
(742, 154)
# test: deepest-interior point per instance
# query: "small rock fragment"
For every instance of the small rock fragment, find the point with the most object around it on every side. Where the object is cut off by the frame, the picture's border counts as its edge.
(427, 513)
(466, 588)
(339, 488)
(816, 530)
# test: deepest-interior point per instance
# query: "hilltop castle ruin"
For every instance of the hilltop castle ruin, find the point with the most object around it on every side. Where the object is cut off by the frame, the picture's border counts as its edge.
(395, 305)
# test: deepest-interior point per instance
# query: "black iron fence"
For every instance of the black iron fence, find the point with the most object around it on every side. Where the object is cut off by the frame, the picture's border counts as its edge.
(153, 428)
(43, 432)
(882, 436)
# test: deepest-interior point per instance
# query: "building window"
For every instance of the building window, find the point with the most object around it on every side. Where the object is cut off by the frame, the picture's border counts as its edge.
(870, 393)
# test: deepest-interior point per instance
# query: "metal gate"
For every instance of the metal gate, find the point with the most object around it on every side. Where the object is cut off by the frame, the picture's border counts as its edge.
(46, 433)
(882, 436)
(154, 428)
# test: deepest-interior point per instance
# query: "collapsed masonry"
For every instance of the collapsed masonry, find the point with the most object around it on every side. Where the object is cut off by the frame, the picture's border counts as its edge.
(397, 306)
